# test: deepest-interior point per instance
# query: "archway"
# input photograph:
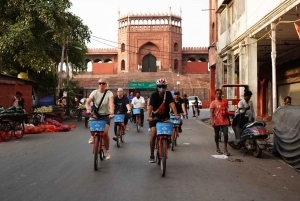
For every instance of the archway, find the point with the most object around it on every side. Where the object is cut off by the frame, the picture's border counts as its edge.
(149, 63)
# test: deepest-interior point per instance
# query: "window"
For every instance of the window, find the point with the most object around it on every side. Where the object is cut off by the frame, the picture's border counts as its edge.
(122, 65)
(108, 61)
(191, 59)
(176, 47)
(213, 33)
(123, 47)
(175, 64)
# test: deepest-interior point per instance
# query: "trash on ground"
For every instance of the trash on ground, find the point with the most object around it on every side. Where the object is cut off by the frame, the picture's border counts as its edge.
(220, 156)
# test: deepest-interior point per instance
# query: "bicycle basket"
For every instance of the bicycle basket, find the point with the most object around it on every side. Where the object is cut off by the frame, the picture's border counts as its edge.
(173, 120)
(136, 110)
(97, 125)
(119, 117)
(164, 128)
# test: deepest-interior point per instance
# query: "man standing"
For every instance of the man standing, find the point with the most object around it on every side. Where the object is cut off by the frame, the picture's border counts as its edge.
(220, 120)
(186, 102)
(121, 107)
(247, 104)
(139, 102)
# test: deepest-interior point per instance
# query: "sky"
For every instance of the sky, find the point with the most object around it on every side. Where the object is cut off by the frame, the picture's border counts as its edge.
(102, 18)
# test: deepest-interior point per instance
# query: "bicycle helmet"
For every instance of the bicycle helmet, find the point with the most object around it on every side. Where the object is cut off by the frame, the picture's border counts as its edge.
(161, 81)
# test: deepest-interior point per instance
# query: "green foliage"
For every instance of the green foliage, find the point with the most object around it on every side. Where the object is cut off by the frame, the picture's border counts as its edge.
(32, 34)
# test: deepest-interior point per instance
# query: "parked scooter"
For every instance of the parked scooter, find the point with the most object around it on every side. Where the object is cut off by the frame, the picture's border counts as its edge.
(252, 136)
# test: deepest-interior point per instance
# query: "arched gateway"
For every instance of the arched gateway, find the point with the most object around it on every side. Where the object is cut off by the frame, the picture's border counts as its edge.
(149, 63)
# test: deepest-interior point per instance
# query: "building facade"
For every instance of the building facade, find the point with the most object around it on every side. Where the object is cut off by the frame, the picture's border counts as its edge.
(150, 46)
(257, 44)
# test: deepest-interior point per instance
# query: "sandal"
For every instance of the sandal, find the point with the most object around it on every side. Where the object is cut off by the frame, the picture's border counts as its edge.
(226, 153)
(115, 138)
(218, 151)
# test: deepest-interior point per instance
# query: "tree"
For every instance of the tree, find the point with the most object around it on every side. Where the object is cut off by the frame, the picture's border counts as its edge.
(32, 33)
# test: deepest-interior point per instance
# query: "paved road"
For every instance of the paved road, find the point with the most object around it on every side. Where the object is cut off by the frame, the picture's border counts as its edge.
(59, 166)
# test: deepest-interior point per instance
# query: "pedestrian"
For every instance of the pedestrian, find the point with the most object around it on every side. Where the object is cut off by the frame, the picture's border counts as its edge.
(247, 104)
(19, 100)
(139, 102)
(186, 102)
(159, 107)
(220, 121)
(196, 111)
(287, 100)
(104, 111)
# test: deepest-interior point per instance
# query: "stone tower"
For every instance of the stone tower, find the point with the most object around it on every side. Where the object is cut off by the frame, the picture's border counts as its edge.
(150, 42)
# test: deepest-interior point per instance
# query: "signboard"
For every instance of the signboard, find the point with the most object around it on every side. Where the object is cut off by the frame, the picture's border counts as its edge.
(142, 85)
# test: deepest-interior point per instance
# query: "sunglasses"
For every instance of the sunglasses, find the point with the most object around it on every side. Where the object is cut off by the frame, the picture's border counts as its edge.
(102, 83)
(161, 86)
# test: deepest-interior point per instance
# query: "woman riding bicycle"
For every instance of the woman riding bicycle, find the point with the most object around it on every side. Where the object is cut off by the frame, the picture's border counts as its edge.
(180, 106)
(105, 112)
(159, 107)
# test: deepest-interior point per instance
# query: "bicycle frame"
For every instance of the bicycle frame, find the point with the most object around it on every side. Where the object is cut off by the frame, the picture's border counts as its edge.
(100, 141)
(159, 143)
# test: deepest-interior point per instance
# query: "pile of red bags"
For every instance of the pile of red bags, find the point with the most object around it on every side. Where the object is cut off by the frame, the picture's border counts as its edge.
(48, 126)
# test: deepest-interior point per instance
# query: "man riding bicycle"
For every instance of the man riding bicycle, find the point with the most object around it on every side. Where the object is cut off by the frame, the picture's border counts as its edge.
(122, 106)
(159, 107)
(105, 112)
(139, 102)
(180, 107)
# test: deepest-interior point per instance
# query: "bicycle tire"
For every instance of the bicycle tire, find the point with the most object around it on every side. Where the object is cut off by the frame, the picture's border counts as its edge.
(101, 154)
(6, 131)
(19, 129)
(157, 158)
(97, 139)
(79, 115)
(130, 117)
(163, 161)
(118, 136)
(173, 139)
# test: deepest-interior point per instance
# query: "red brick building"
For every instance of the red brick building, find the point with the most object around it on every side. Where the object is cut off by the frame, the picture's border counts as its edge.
(149, 47)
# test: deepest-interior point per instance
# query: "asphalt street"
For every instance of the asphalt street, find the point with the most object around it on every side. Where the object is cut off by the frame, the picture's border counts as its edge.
(59, 166)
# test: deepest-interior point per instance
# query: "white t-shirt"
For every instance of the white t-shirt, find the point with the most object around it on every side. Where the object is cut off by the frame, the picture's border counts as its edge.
(138, 102)
(96, 95)
(249, 113)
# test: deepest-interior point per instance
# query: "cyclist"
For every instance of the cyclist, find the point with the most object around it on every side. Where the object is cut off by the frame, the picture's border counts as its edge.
(121, 107)
(139, 102)
(180, 107)
(156, 100)
(105, 111)
(130, 97)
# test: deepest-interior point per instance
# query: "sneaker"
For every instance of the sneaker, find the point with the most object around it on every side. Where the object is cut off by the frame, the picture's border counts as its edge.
(226, 153)
(152, 160)
(127, 128)
(149, 129)
(179, 129)
(107, 155)
(91, 140)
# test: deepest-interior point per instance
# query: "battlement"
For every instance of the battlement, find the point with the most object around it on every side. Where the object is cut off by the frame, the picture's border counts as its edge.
(194, 49)
(102, 50)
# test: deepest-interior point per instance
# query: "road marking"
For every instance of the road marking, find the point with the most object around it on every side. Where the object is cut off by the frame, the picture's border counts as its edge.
(186, 143)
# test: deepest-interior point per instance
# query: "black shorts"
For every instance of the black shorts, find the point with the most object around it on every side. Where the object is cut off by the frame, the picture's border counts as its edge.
(153, 122)
(102, 117)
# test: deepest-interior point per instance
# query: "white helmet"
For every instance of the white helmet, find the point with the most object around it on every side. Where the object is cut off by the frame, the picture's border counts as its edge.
(161, 81)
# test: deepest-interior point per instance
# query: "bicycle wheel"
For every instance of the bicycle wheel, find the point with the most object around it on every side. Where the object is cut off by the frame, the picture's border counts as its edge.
(138, 127)
(119, 135)
(79, 115)
(163, 161)
(19, 129)
(102, 155)
(37, 119)
(173, 140)
(130, 117)
(157, 153)
(97, 139)
(6, 131)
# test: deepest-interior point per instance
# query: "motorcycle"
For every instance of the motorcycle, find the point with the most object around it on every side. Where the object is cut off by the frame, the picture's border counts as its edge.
(252, 136)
